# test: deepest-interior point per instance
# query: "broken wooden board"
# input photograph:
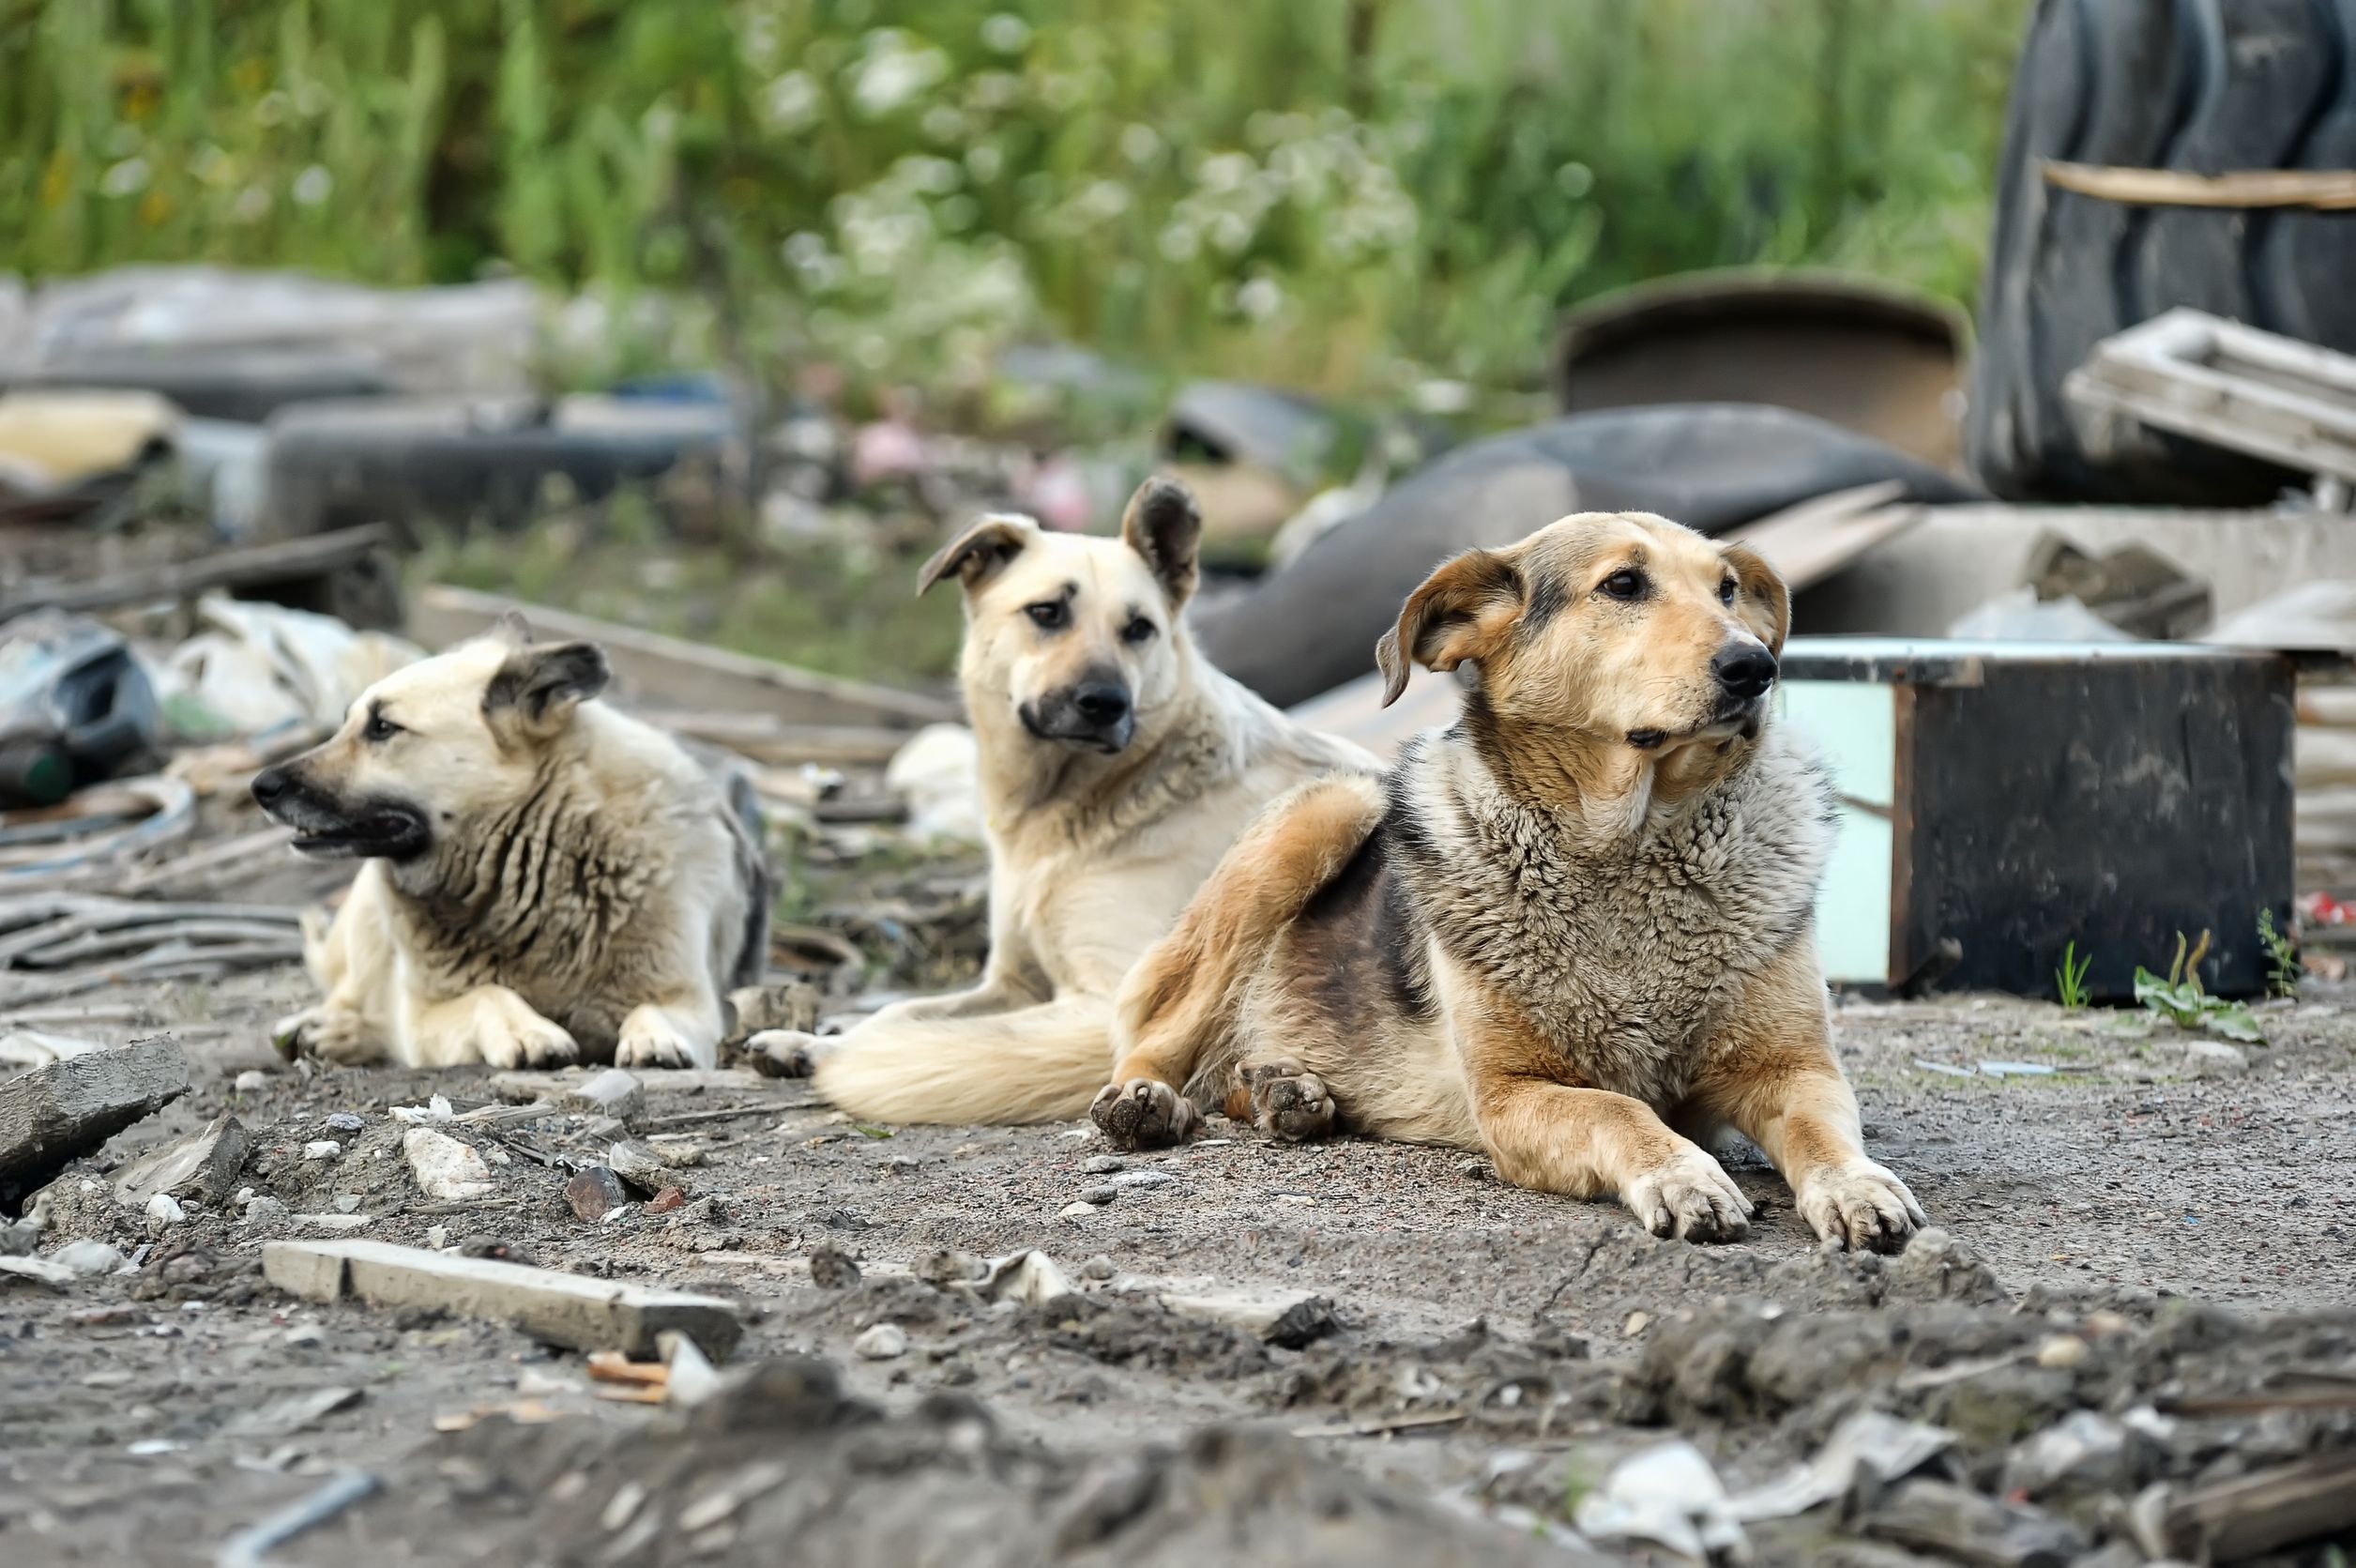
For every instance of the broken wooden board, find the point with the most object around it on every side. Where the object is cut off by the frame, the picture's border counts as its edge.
(295, 560)
(669, 670)
(69, 1108)
(570, 1310)
(2193, 374)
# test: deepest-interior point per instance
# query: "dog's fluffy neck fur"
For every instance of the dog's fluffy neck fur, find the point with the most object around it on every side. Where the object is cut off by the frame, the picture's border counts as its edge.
(487, 886)
(1530, 893)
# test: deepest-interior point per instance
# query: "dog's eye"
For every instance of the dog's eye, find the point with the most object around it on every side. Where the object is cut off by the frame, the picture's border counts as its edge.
(1137, 630)
(1050, 617)
(1624, 584)
(1726, 591)
(379, 728)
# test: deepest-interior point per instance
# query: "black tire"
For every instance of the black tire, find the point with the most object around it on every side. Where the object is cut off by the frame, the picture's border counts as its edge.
(2205, 86)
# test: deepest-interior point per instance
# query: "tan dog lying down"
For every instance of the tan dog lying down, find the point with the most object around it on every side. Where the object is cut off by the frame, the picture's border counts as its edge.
(545, 878)
(1116, 767)
(1577, 918)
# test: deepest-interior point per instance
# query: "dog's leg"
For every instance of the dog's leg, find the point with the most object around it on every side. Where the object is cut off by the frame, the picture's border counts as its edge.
(683, 1031)
(1179, 1002)
(1586, 1142)
(490, 1024)
(1010, 979)
(1772, 1075)
(1281, 1098)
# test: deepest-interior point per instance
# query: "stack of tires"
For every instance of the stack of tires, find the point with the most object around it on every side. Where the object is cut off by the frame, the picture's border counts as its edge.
(2202, 86)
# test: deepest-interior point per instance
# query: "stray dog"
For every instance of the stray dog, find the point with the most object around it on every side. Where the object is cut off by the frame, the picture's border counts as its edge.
(1580, 914)
(546, 878)
(1116, 768)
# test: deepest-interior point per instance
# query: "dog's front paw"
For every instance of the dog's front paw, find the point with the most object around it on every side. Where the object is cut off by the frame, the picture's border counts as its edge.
(1142, 1113)
(1287, 1100)
(332, 1034)
(528, 1042)
(649, 1037)
(785, 1053)
(1689, 1195)
(1860, 1207)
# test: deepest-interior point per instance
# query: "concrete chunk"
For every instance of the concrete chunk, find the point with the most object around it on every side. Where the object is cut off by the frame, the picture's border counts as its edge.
(69, 1108)
(205, 1163)
(562, 1309)
(1291, 1318)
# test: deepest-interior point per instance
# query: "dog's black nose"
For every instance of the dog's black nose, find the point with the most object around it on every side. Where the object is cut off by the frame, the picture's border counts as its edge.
(268, 784)
(1744, 669)
(1102, 704)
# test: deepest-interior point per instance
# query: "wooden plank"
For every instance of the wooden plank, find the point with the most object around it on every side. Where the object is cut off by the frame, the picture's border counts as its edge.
(562, 1309)
(2325, 189)
(2231, 386)
(291, 560)
(671, 670)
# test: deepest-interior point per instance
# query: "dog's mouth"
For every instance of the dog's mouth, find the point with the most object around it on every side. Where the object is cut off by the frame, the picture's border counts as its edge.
(1066, 729)
(375, 831)
(1736, 718)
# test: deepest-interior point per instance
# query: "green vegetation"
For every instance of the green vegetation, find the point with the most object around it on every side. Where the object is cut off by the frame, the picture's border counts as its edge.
(2180, 1000)
(1342, 195)
(2281, 957)
(2071, 978)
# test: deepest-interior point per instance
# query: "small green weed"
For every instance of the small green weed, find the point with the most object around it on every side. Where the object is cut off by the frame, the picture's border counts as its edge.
(2283, 969)
(2180, 1000)
(2071, 978)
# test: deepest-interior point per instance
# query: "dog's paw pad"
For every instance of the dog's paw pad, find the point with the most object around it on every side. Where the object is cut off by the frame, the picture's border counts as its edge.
(783, 1053)
(1860, 1207)
(1690, 1197)
(1142, 1113)
(1287, 1100)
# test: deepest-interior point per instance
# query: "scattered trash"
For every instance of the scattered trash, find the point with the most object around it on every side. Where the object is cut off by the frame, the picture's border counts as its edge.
(1029, 1276)
(87, 1257)
(1291, 1318)
(1669, 1496)
(253, 668)
(249, 1548)
(613, 1092)
(596, 1194)
(2017, 1069)
(935, 773)
(164, 1209)
(435, 1109)
(1888, 1447)
(40, 1269)
(75, 708)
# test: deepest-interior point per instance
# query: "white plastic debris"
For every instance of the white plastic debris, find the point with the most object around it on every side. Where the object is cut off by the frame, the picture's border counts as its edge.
(435, 1109)
(87, 1257)
(256, 666)
(1029, 1276)
(692, 1379)
(1669, 1496)
(1869, 1440)
(446, 1168)
(938, 773)
(163, 1209)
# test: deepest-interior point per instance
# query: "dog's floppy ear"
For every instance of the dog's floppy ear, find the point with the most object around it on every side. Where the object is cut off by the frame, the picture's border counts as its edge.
(1765, 603)
(1461, 612)
(1165, 527)
(979, 552)
(536, 689)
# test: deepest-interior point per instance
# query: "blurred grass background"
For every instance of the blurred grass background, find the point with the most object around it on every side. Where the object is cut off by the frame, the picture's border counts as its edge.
(1343, 195)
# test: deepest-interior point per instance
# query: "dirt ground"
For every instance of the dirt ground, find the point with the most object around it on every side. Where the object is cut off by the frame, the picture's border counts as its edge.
(1490, 1348)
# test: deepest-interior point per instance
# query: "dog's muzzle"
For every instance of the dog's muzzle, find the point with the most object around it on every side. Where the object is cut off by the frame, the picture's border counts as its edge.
(1095, 714)
(330, 830)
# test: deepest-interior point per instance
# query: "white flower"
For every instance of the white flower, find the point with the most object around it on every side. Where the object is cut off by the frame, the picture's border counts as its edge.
(1259, 298)
(893, 73)
(1006, 32)
(127, 178)
(312, 186)
(984, 159)
(252, 204)
(790, 102)
(1140, 144)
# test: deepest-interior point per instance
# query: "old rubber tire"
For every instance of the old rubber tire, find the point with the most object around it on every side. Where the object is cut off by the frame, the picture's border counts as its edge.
(2205, 86)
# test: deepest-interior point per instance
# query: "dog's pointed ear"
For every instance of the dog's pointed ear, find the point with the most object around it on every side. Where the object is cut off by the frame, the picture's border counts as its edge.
(537, 688)
(1164, 527)
(1762, 602)
(980, 553)
(1461, 612)
(511, 628)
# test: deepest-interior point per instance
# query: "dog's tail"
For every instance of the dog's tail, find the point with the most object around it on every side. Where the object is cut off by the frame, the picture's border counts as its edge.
(1179, 1004)
(1040, 1063)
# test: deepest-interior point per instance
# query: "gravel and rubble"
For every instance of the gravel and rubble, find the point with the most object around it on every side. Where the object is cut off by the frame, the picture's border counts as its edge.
(2128, 1337)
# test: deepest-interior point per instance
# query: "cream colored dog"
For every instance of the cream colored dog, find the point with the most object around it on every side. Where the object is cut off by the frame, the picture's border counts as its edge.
(1117, 766)
(545, 878)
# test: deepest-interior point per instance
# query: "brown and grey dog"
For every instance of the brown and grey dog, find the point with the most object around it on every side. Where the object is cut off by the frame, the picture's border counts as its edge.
(1117, 766)
(1578, 918)
(545, 878)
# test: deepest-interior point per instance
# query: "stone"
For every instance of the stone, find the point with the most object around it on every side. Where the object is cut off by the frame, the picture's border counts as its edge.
(1099, 1268)
(1936, 1267)
(568, 1310)
(345, 1123)
(263, 1206)
(333, 1222)
(2214, 1059)
(87, 1258)
(205, 1163)
(613, 1092)
(882, 1343)
(446, 1168)
(1936, 1516)
(251, 1081)
(164, 1209)
(666, 1200)
(832, 1269)
(1077, 1212)
(1291, 1318)
(642, 1168)
(38, 1269)
(1129, 1181)
(347, 1203)
(322, 1149)
(1099, 1196)
(596, 1192)
(58, 1113)
(1102, 1164)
